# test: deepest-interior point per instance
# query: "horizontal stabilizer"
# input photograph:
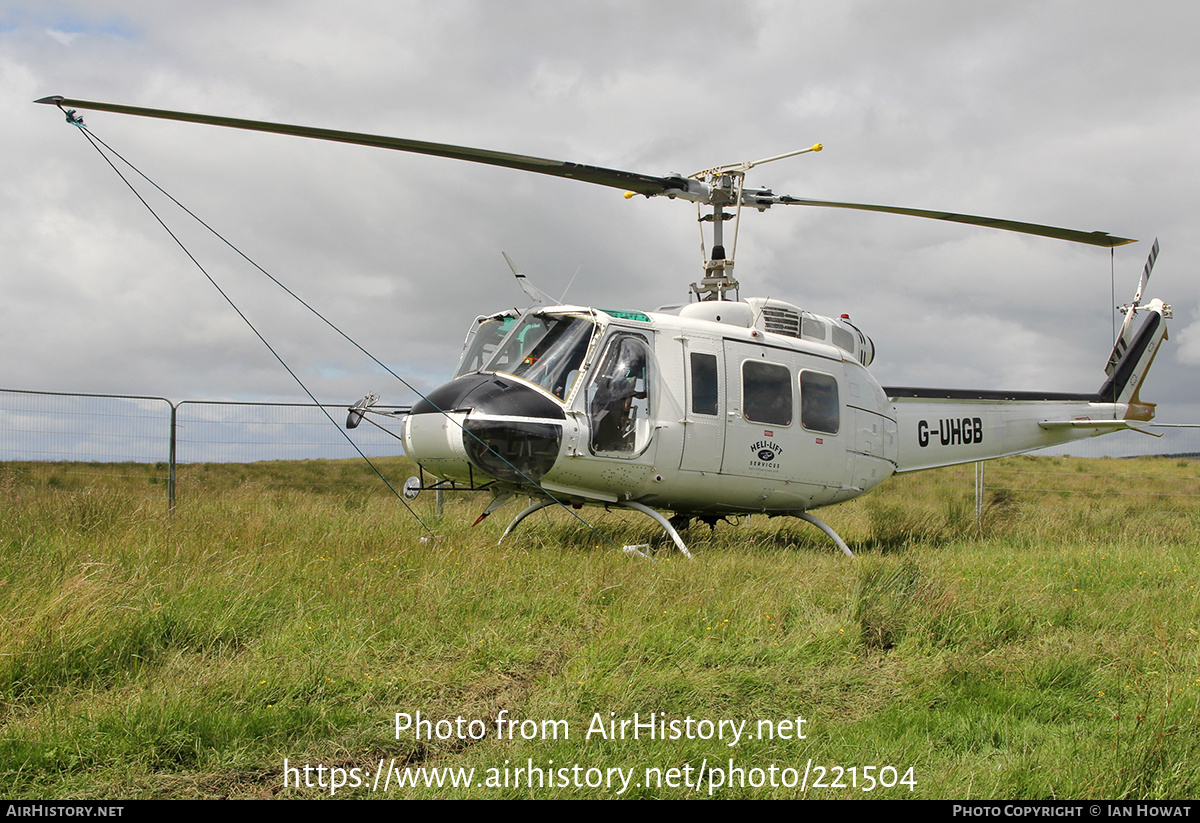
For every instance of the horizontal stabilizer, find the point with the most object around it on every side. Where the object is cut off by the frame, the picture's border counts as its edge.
(1103, 425)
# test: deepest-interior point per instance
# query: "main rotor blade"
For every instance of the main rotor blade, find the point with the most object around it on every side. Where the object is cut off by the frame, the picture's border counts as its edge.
(614, 178)
(1094, 238)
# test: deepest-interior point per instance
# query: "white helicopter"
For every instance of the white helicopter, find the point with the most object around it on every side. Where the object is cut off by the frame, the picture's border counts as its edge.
(717, 407)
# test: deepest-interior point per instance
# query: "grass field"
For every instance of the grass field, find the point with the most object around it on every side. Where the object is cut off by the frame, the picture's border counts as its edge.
(289, 612)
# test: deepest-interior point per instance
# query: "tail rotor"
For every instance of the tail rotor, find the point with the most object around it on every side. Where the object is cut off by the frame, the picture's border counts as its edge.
(1126, 336)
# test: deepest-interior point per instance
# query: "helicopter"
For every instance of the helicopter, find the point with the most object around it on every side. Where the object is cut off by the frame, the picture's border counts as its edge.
(717, 407)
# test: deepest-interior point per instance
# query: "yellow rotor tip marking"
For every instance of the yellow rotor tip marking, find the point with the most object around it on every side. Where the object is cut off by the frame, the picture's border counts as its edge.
(817, 147)
(630, 194)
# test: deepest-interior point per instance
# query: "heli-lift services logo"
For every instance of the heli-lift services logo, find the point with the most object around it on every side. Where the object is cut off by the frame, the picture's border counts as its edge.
(765, 452)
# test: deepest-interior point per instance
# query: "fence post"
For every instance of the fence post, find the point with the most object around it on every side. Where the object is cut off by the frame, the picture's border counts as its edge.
(171, 464)
(979, 492)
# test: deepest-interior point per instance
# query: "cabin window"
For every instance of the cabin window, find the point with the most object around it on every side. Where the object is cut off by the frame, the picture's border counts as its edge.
(704, 383)
(819, 408)
(546, 350)
(619, 398)
(766, 393)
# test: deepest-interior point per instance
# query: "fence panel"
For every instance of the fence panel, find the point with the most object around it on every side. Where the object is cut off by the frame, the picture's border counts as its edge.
(86, 428)
(211, 437)
(72, 441)
(227, 432)
(1178, 439)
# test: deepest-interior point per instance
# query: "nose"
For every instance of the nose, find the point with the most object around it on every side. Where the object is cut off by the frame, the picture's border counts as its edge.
(485, 423)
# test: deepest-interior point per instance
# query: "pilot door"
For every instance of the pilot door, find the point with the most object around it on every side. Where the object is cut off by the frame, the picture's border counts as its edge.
(620, 398)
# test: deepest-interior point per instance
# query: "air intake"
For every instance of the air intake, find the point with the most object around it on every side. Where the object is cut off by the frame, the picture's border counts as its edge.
(781, 321)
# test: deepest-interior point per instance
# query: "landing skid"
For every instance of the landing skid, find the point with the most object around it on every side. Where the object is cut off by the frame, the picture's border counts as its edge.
(670, 528)
(536, 507)
(662, 521)
(634, 549)
(820, 524)
(682, 522)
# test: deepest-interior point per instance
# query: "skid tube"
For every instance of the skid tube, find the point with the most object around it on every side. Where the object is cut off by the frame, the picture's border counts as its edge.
(636, 549)
(820, 524)
(633, 549)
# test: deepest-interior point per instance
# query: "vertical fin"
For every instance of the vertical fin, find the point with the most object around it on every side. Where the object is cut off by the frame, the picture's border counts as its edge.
(1126, 336)
(1127, 375)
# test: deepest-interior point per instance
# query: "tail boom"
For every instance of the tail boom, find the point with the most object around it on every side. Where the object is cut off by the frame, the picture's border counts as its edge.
(944, 427)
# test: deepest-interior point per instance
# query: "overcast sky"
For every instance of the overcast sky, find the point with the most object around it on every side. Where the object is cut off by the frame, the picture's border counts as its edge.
(1079, 114)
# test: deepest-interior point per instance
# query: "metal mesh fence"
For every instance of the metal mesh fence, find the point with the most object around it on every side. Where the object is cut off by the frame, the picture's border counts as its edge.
(85, 428)
(1174, 439)
(104, 428)
(78, 435)
(221, 432)
(71, 442)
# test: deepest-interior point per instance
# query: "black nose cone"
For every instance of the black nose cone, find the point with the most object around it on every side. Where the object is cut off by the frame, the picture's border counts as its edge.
(489, 394)
(512, 432)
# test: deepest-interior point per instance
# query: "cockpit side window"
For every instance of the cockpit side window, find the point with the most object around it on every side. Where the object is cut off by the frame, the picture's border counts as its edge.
(619, 398)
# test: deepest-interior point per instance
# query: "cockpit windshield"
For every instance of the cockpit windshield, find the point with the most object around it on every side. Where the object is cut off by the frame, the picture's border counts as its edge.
(545, 349)
(485, 336)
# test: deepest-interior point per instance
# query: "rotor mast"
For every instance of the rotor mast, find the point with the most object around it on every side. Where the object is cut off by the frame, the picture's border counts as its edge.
(718, 269)
(725, 186)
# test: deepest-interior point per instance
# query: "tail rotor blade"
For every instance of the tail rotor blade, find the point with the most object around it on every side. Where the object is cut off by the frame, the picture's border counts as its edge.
(1125, 338)
(1137, 298)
